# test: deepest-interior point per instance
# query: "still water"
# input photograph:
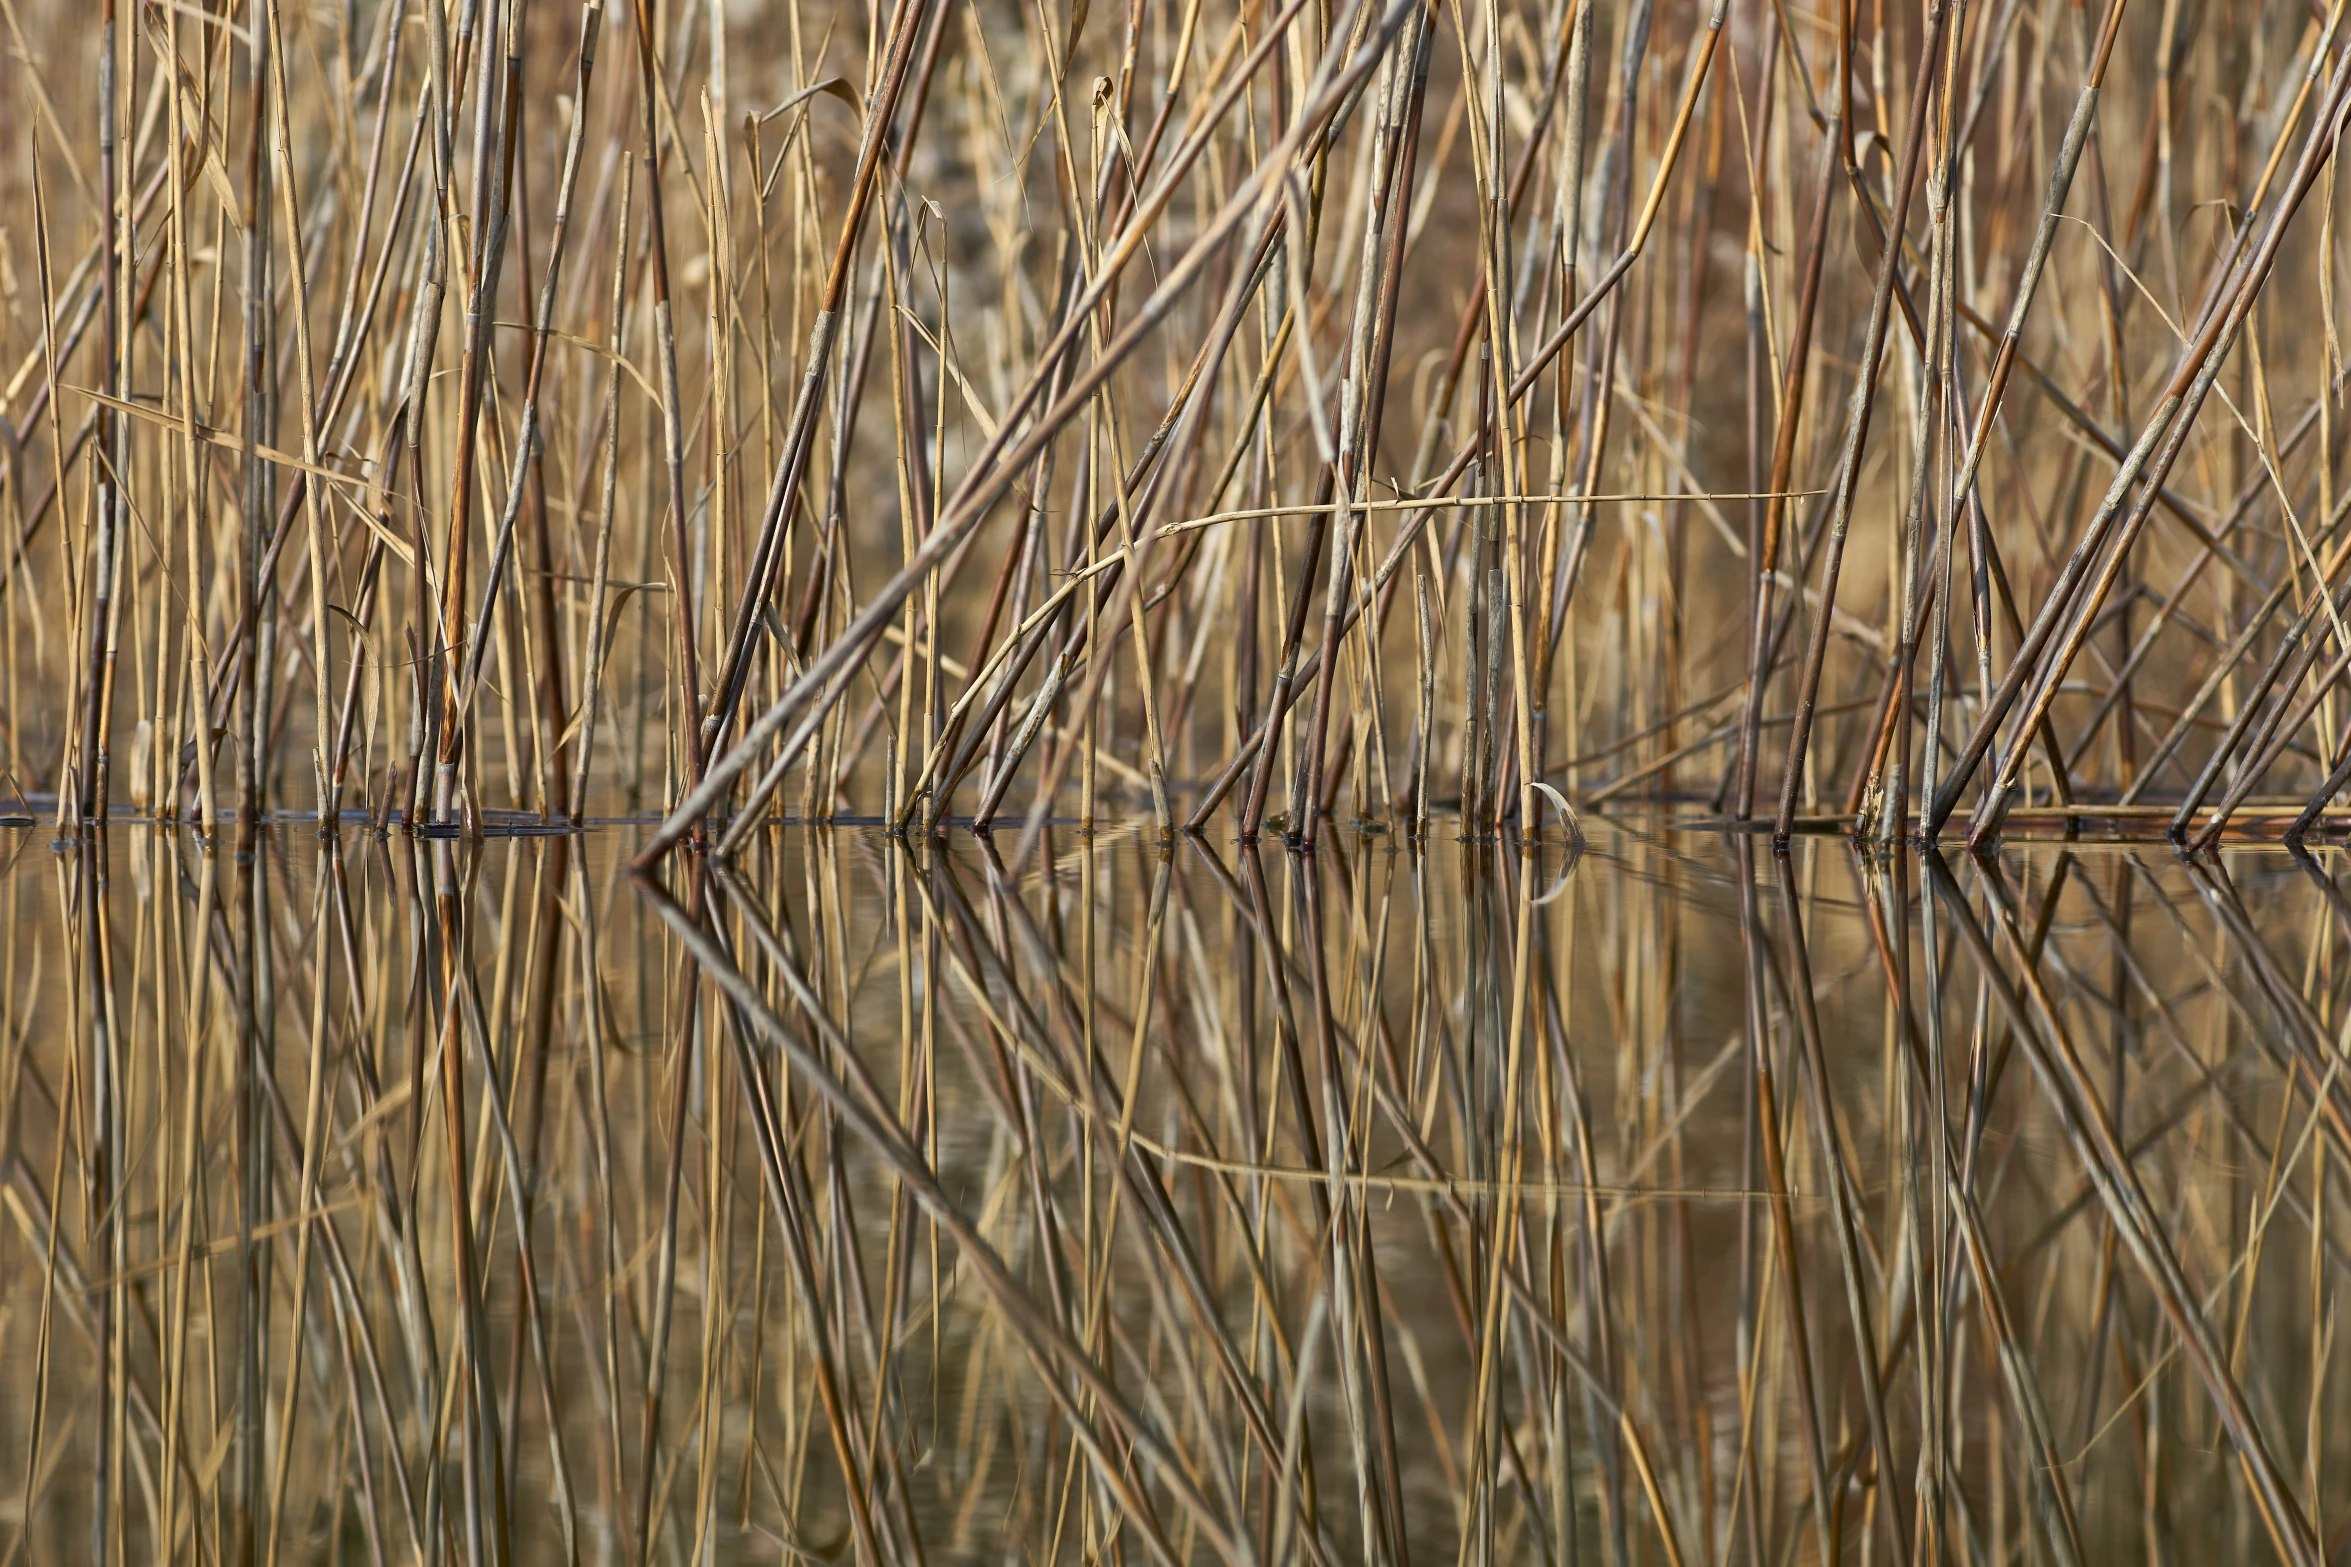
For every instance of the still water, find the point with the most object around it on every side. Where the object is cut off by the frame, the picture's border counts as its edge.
(1668, 1201)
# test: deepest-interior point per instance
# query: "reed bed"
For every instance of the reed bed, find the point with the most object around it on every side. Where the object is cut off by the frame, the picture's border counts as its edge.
(1259, 414)
(521, 444)
(1670, 1202)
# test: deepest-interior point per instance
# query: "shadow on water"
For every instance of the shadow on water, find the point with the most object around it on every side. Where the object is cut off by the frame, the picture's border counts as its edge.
(1674, 1201)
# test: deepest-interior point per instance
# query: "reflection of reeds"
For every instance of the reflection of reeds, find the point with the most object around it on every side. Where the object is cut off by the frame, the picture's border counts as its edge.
(432, 1199)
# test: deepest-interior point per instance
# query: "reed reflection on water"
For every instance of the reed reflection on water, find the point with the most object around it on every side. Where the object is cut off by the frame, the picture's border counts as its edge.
(855, 1201)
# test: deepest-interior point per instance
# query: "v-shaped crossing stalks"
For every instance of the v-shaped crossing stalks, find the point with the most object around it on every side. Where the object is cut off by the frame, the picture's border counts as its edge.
(1014, 447)
(2237, 282)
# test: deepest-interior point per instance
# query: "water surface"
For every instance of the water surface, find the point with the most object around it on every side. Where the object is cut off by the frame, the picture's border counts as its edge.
(863, 1200)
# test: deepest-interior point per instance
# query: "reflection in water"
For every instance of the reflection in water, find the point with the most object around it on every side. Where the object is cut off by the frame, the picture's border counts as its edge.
(427, 1201)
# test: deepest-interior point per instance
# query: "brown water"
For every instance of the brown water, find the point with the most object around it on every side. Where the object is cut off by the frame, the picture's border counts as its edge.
(866, 1201)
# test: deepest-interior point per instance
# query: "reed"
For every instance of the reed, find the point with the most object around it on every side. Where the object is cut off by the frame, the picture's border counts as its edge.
(407, 420)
